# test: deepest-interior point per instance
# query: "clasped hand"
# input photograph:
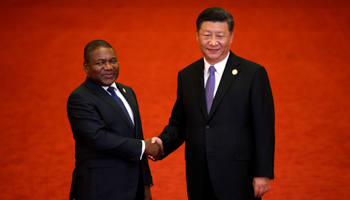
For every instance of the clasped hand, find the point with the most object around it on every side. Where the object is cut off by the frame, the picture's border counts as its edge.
(153, 150)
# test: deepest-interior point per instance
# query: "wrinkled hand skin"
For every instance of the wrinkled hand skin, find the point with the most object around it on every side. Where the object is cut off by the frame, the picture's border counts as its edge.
(261, 185)
(153, 150)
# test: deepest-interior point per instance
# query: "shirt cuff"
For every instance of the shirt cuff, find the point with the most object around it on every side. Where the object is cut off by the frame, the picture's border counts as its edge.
(143, 149)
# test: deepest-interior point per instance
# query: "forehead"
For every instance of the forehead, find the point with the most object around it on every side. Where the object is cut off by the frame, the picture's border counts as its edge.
(210, 26)
(102, 53)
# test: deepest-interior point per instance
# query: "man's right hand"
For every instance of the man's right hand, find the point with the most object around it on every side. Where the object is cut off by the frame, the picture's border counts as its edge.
(153, 150)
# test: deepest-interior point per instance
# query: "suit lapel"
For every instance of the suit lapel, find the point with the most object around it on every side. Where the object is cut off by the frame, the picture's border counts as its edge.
(99, 91)
(132, 102)
(198, 79)
(227, 80)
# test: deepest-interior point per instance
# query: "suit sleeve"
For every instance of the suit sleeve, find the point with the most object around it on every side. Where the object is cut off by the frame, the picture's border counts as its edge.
(148, 180)
(264, 125)
(87, 124)
(173, 135)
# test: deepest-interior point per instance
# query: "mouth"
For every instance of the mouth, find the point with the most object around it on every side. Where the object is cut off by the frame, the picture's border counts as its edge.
(108, 75)
(213, 50)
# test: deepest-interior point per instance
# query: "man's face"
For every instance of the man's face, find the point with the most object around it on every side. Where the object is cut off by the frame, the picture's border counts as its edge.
(102, 66)
(214, 40)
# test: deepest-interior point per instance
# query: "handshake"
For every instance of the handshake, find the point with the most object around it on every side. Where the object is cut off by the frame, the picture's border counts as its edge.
(154, 148)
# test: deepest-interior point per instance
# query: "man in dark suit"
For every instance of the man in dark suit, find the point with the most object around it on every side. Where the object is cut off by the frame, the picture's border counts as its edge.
(225, 113)
(109, 146)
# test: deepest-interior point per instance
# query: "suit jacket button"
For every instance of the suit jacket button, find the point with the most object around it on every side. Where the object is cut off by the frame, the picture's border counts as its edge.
(207, 127)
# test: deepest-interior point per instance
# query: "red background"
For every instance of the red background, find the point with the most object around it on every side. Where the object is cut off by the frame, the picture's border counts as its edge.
(304, 45)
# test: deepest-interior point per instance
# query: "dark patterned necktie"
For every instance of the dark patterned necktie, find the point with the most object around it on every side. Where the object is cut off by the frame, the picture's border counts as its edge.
(120, 102)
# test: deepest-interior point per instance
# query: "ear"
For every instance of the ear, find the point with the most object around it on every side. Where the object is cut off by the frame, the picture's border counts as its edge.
(231, 37)
(85, 65)
(197, 35)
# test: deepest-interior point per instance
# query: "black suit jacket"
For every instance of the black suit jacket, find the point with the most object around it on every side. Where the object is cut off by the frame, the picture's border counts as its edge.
(236, 140)
(107, 147)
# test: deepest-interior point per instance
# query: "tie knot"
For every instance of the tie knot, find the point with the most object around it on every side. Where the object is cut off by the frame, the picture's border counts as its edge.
(111, 90)
(212, 70)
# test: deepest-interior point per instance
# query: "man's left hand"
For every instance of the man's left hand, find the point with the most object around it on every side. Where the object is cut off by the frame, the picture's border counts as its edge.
(148, 195)
(261, 185)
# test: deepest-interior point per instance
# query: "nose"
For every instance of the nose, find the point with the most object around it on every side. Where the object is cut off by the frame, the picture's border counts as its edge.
(213, 41)
(108, 66)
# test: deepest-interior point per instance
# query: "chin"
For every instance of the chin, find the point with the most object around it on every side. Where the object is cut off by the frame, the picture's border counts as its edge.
(212, 58)
(107, 83)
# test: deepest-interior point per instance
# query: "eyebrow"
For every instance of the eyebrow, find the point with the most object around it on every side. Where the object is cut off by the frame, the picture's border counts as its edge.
(101, 59)
(206, 30)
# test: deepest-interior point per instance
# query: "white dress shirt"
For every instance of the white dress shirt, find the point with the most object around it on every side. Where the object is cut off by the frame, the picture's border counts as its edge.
(220, 67)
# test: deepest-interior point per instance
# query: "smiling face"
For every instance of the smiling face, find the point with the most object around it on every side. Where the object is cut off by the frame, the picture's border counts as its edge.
(214, 40)
(102, 66)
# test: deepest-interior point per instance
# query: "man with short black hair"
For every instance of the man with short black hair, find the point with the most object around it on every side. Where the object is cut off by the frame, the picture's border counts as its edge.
(106, 124)
(224, 113)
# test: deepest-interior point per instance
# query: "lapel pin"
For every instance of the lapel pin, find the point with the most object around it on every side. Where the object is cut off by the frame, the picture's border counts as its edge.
(124, 90)
(234, 72)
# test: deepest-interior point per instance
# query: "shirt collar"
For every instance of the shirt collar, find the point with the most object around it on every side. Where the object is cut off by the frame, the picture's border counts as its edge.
(218, 66)
(113, 86)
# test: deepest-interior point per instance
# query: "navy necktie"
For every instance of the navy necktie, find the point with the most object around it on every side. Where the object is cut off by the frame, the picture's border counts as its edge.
(209, 88)
(120, 102)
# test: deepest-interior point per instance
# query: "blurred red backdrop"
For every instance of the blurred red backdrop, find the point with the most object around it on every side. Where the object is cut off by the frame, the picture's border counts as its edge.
(304, 45)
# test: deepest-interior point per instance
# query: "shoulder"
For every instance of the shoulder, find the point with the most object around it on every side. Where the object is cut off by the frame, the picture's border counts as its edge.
(237, 60)
(86, 87)
(198, 64)
(80, 95)
(246, 66)
(196, 68)
(125, 89)
(120, 85)
(81, 89)
(87, 91)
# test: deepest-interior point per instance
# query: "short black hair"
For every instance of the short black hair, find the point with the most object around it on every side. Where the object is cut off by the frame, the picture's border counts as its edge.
(215, 14)
(93, 45)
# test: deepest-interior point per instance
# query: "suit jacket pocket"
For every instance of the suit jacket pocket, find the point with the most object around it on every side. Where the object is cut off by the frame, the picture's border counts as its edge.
(101, 163)
(243, 154)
